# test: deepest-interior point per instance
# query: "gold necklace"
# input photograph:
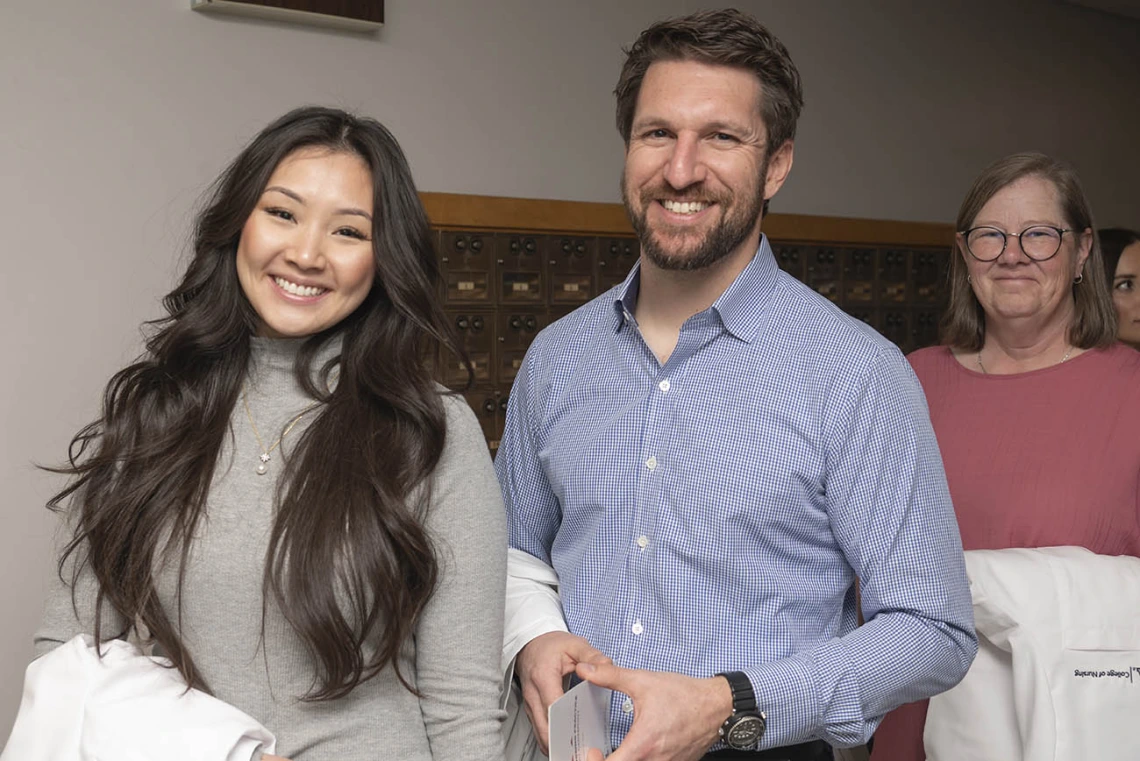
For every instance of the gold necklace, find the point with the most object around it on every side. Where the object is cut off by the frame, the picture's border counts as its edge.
(983, 367)
(263, 466)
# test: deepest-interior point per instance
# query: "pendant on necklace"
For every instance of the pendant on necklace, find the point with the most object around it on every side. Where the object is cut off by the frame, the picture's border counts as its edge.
(263, 466)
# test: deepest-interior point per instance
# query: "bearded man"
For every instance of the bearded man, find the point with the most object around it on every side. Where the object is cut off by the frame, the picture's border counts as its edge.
(711, 454)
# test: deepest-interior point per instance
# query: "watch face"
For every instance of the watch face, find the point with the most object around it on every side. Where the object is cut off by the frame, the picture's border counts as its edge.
(745, 733)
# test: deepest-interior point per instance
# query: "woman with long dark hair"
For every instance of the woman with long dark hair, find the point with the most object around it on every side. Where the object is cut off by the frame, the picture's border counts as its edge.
(278, 496)
(1121, 248)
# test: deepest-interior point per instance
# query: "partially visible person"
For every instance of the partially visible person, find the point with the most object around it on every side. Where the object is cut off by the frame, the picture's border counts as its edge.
(711, 454)
(1035, 405)
(1121, 248)
(278, 494)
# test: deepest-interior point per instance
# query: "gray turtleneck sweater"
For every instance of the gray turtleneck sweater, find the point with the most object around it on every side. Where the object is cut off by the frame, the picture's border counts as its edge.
(453, 658)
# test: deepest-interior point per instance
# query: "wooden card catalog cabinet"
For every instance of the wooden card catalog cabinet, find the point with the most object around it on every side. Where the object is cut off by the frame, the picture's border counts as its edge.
(823, 268)
(466, 262)
(572, 261)
(859, 277)
(520, 273)
(512, 266)
(352, 15)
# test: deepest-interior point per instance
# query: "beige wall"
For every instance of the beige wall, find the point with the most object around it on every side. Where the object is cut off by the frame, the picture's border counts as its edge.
(115, 114)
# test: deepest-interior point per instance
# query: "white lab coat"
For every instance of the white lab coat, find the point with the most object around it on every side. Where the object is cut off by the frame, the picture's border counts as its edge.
(1057, 676)
(533, 608)
(125, 706)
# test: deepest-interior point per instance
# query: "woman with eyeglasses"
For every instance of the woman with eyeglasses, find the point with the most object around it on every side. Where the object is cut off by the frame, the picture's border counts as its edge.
(1035, 405)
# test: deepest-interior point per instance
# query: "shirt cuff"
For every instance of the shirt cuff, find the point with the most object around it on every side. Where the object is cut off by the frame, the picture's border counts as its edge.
(810, 695)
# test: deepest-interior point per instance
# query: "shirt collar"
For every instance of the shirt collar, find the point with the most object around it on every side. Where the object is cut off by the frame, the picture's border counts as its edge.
(740, 307)
(626, 300)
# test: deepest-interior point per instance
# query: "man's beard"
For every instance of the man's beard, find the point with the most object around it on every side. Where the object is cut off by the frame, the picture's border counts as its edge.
(716, 244)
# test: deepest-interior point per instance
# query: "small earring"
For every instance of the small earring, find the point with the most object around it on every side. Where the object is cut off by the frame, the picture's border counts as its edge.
(1079, 278)
(969, 279)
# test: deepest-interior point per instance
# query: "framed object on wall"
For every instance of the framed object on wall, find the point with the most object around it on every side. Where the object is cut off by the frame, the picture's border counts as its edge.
(352, 15)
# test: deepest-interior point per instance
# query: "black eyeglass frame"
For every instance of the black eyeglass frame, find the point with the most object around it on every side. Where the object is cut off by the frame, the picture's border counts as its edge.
(1006, 236)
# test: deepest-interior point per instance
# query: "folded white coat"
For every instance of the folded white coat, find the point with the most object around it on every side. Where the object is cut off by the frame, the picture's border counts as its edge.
(533, 604)
(533, 608)
(1057, 676)
(125, 706)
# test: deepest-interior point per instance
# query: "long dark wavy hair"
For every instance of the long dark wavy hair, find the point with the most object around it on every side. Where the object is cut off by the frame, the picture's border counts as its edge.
(349, 561)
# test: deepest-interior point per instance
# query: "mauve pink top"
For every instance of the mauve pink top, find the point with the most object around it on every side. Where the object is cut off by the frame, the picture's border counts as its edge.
(1039, 459)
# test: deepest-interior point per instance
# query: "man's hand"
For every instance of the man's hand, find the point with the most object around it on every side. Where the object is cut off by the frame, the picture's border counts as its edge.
(675, 717)
(541, 667)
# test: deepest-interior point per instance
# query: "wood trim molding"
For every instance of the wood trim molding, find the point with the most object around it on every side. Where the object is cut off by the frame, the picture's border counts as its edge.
(455, 210)
(499, 213)
(807, 228)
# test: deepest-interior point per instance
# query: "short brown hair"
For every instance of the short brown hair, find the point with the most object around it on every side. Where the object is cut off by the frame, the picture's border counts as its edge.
(727, 38)
(1094, 322)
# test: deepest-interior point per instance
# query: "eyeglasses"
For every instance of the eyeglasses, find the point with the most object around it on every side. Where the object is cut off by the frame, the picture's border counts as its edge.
(1039, 242)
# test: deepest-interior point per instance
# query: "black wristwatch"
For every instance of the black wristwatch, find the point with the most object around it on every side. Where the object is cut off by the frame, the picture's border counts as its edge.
(744, 728)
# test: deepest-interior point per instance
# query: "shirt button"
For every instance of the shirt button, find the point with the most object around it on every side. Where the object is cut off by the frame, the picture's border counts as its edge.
(643, 542)
(651, 463)
(664, 385)
(637, 628)
(627, 705)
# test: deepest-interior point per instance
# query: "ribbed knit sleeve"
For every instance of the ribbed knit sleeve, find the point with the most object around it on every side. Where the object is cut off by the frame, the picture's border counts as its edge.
(460, 638)
(64, 615)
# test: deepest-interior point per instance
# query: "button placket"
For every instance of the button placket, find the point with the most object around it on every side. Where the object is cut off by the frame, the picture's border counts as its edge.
(655, 407)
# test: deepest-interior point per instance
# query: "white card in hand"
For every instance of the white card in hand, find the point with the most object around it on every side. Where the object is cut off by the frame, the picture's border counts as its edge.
(580, 720)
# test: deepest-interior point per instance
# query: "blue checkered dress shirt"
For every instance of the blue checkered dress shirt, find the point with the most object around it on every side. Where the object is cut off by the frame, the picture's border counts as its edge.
(713, 513)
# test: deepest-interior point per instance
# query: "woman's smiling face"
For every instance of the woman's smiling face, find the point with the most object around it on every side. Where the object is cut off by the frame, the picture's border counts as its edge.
(305, 259)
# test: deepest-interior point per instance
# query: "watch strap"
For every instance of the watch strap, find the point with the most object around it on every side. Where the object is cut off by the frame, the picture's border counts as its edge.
(743, 697)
